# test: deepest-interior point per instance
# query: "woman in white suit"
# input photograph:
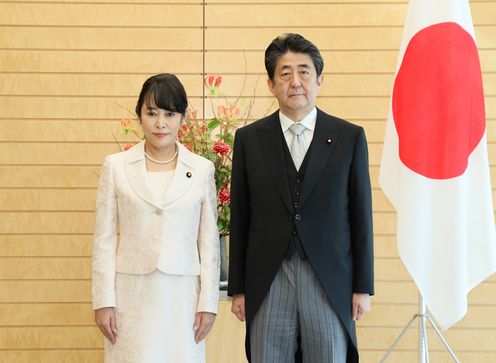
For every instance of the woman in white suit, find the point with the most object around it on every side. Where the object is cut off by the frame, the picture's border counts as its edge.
(156, 285)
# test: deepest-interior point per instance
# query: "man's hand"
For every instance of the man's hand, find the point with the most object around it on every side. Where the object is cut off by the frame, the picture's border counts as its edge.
(360, 305)
(105, 319)
(203, 323)
(238, 306)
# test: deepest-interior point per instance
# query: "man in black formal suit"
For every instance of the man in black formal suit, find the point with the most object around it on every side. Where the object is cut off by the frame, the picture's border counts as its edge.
(301, 243)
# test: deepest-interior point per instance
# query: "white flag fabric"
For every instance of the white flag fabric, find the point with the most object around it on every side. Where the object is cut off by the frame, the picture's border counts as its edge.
(434, 168)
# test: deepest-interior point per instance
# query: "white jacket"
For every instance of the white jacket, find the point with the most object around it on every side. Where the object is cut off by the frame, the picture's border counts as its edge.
(182, 230)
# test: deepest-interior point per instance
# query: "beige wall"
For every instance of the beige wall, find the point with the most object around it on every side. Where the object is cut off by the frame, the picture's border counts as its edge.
(67, 69)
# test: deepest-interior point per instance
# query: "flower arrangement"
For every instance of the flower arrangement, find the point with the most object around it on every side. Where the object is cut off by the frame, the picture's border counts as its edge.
(212, 138)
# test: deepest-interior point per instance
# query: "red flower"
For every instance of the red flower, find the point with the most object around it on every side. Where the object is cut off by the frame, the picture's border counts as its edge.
(128, 146)
(224, 195)
(218, 80)
(212, 83)
(127, 125)
(209, 80)
(183, 133)
(221, 148)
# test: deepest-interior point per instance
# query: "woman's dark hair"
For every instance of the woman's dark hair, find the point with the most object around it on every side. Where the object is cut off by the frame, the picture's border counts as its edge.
(290, 42)
(165, 91)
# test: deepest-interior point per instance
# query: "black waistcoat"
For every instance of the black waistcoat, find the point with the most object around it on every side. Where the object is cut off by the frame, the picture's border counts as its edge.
(296, 179)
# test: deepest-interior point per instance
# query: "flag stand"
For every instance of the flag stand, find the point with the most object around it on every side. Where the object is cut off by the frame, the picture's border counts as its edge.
(423, 348)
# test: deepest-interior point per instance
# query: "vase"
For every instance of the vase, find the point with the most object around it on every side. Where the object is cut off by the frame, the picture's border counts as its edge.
(223, 262)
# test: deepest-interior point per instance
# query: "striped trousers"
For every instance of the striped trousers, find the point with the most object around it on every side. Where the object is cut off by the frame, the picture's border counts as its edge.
(296, 305)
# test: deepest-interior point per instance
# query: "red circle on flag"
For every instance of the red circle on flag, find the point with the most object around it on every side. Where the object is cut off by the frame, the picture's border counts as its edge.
(438, 102)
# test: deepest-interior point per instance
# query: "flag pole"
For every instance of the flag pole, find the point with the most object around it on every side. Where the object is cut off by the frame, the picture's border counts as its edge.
(423, 351)
(423, 346)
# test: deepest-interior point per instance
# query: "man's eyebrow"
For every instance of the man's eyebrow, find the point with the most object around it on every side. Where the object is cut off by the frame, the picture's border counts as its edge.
(303, 65)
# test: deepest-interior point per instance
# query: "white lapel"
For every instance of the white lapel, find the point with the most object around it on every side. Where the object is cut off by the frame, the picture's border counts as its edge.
(183, 176)
(136, 173)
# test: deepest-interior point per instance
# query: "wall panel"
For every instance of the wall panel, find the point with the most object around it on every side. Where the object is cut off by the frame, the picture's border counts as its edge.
(44, 291)
(45, 245)
(101, 14)
(82, 85)
(133, 60)
(112, 39)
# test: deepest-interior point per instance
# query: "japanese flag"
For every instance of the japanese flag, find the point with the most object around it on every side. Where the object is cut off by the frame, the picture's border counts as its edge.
(435, 168)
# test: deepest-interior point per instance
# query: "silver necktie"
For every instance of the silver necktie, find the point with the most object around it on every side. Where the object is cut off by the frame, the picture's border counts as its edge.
(297, 148)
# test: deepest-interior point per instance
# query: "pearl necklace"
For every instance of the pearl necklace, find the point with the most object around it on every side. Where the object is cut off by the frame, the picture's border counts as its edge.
(160, 161)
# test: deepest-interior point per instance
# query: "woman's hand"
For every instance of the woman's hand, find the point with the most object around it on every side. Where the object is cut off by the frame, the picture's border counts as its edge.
(105, 319)
(203, 323)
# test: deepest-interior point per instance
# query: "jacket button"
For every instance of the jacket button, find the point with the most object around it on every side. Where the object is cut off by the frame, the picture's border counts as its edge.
(298, 217)
(294, 231)
(158, 212)
(297, 192)
(298, 180)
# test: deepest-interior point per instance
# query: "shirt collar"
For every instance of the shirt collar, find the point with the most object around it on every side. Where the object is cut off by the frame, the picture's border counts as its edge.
(308, 121)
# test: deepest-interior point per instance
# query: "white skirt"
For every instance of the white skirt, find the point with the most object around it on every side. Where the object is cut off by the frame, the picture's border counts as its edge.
(155, 315)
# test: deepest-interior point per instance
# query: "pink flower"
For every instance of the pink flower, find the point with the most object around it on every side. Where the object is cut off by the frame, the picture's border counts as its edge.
(230, 113)
(128, 146)
(235, 111)
(221, 111)
(221, 148)
(191, 114)
(224, 195)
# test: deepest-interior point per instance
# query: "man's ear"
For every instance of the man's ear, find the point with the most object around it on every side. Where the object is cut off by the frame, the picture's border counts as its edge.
(320, 79)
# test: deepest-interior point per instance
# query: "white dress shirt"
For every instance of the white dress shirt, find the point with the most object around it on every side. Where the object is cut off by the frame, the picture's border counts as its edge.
(308, 121)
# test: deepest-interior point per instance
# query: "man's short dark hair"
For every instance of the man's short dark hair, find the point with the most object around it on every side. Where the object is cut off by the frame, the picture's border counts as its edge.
(291, 42)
